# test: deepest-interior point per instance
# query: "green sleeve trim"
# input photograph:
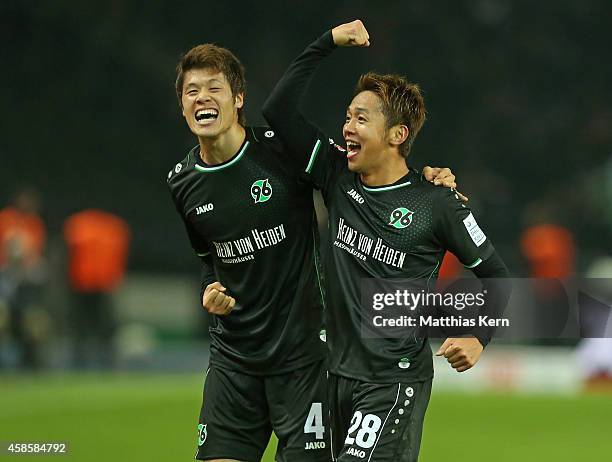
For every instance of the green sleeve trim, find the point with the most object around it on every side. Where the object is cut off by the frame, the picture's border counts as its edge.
(313, 156)
(475, 264)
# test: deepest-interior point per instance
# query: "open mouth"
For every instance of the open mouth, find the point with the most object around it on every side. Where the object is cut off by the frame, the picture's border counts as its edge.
(206, 116)
(352, 148)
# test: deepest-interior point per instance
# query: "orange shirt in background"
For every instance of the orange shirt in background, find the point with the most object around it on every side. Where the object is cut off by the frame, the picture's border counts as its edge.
(21, 234)
(549, 250)
(451, 267)
(98, 247)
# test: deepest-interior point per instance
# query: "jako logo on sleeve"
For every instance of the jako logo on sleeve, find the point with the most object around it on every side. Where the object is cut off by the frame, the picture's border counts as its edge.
(200, 209)
(355, 195)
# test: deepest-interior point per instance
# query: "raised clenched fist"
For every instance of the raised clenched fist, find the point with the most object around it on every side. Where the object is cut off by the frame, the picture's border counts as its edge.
(351, 34)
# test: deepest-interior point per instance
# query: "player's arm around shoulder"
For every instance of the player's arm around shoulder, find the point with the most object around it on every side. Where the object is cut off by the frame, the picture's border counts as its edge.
(442, 176)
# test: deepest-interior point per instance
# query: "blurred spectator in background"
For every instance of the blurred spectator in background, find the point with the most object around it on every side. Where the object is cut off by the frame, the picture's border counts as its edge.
(595, 351)
(97, 250)
(22, 275)
(549, 250)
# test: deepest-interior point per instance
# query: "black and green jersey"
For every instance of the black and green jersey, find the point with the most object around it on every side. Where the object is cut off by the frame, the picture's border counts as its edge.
(255, 218)
(392, 232)
(396, 231)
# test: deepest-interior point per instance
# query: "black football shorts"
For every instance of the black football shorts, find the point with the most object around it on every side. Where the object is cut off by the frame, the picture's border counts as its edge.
(240, 411)
(377, 422)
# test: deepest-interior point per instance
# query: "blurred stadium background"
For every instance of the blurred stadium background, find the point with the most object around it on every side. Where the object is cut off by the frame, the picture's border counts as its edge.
(518, 97)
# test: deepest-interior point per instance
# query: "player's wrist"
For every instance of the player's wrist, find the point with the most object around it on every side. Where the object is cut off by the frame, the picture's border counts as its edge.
(484, 340)
(329, 38)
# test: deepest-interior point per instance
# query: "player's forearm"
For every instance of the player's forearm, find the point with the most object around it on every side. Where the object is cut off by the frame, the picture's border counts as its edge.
(207, 274)
(282, 109)
(493, 274)
(492, 267)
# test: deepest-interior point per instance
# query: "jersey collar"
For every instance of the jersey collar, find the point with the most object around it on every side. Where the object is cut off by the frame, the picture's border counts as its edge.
(201, 166)
(404, 181)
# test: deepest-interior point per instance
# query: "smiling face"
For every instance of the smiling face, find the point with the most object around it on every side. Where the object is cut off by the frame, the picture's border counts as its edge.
(209, 107)
(365, 133)
(382, 121)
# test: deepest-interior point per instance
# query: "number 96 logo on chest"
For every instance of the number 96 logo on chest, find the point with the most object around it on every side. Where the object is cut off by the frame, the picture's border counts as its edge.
(261, 190)
(401, 218)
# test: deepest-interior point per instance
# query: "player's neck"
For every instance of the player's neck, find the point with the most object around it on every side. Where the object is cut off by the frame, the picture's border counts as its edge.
(223, 147)
(385, 173)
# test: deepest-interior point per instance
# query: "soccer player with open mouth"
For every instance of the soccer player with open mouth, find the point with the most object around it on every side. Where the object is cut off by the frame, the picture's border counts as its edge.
(252, 222)
(379, 388)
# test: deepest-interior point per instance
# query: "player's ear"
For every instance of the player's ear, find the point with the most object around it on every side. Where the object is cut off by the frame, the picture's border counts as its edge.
(239, 100)
(398, 134)
(181, 105)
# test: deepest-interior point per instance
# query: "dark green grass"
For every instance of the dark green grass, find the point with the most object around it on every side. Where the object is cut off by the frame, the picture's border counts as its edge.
(511, 428)
(153, 418)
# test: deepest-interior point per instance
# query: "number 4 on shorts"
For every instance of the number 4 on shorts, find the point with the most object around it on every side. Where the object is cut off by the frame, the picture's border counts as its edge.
(314, 421)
